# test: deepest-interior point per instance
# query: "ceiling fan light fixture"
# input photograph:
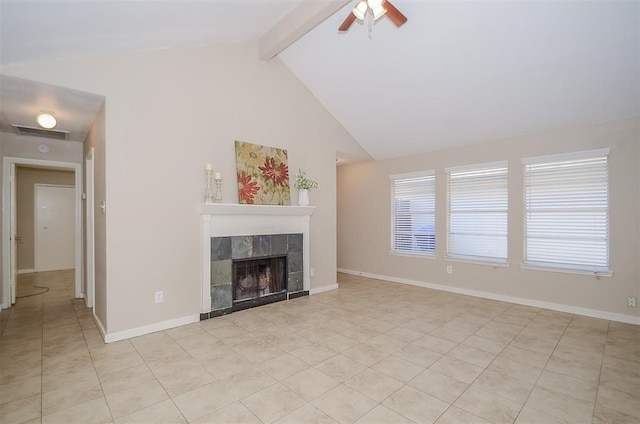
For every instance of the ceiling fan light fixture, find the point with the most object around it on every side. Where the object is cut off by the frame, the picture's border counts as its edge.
(378, 12)
(47, 120)
(360, 9)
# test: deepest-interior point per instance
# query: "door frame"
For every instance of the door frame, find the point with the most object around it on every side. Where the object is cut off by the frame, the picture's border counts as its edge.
(9, 211)
(90, 230)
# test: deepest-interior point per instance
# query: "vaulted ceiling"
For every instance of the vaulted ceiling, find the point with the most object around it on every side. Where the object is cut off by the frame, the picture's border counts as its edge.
(457, 73)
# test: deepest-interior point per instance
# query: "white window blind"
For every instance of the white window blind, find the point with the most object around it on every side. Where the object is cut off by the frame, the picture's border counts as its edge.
(567, 211)
(478, 204)
(413, 214)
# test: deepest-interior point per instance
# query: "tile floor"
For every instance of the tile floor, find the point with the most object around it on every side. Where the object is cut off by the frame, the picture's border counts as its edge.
(369, 352)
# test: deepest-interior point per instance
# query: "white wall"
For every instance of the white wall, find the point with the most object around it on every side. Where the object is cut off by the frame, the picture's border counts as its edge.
(364, 214)
(168, 113)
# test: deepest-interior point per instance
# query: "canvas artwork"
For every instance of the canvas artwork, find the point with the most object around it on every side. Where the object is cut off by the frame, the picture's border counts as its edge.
(263, 175)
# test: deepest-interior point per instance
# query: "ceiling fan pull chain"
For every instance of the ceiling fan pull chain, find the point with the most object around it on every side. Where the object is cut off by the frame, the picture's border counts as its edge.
(370, 19)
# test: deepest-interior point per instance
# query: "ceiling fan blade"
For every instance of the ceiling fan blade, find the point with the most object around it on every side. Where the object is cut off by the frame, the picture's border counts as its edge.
(394, 14)
(347, 22)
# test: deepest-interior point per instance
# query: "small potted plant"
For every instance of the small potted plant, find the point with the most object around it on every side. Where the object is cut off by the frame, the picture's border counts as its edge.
(304, 184)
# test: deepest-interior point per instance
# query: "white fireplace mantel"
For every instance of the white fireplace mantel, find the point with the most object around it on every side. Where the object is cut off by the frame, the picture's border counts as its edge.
(227, 219)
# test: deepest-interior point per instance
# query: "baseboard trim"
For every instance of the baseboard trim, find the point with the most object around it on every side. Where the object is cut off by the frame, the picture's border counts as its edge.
(152, 328)
(323, 289)
(25, 271)
(594, 313)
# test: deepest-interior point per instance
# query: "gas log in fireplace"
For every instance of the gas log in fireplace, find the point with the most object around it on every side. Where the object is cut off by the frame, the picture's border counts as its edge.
(259, 281)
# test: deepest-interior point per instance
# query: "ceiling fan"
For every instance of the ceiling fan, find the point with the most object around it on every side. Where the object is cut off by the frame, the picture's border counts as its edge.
(378, 8)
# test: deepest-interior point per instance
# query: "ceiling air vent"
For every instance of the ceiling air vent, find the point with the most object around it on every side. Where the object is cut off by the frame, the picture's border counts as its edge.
(39, 132)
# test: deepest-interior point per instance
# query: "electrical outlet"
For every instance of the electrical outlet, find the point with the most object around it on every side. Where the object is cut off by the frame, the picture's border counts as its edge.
(159, 297)
(449, 269)
(631, 301)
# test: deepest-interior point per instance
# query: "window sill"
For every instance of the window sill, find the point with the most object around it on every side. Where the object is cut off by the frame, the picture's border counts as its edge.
(594, 273)
(413, 255)
(477, 262)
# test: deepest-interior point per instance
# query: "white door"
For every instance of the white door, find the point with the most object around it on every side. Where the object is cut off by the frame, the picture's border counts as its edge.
(13, 258)
(55, 246)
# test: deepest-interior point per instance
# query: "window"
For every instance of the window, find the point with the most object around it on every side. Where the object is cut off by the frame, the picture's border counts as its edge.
(567, 211)
(413, 214)
(477, 212)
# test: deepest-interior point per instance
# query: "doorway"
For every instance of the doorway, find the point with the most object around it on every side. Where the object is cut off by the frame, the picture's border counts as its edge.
(9, 227)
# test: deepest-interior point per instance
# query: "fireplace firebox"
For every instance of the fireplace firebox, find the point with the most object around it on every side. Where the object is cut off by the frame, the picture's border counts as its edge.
(258, 281)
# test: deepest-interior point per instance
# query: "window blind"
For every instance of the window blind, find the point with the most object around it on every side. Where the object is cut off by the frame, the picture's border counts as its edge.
(567, 211)
(413, 214)
(477, 212)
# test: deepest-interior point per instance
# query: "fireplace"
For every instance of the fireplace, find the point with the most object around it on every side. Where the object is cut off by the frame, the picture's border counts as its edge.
(233, 233)
(258, 281)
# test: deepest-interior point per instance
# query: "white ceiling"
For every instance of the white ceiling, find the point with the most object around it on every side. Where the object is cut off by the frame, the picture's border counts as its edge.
(458, 73)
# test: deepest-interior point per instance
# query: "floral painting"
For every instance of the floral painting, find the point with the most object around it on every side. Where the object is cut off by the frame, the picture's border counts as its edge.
(263, 175)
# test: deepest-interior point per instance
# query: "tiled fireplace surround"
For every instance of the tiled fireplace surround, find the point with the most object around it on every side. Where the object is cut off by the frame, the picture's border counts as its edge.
(231, 231)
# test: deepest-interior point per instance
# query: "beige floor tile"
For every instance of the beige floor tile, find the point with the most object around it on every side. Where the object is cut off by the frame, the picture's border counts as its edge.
(398, 368)
(418, 355)
(489, 406)
(603, 415)
(338, 343)
(574, 369)
(471, 355)
(273, 403)
(21, 410)
(407, 334)
(374, 384)
(365, 354)
(283, 366)
(184, 381)
(248, 381)
(344, 404)
(69, 395)
(565, 384)
(92, 412)
(435, 344)
(136, 398)
(204, 400)
(313, 354)
(311, 383)
(308, 414)
(206, 354)
(13, 371)
(126, 379)
(533, 416)
(117, 363)
(109, 350)
(517, 370)
(617, 400)
(233, 364)
(287, 342)
(230, 414)
(455, 415)
(340, 367)
(460, 370)
(20, 389)
(164, 412)
(525, 356)
(197, 341)
(383, 415)
(416, 405)
(445, 388)
(85, 373)
(505, 386)
(561, 406)
(386, 343)
(188, 330)
(452, 334)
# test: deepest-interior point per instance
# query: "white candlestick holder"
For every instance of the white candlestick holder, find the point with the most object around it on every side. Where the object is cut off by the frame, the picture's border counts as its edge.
(208, 194)
(218, 198)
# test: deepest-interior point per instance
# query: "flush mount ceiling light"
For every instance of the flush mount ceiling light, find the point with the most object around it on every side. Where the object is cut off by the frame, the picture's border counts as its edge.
(47, 120)
(378, 9)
